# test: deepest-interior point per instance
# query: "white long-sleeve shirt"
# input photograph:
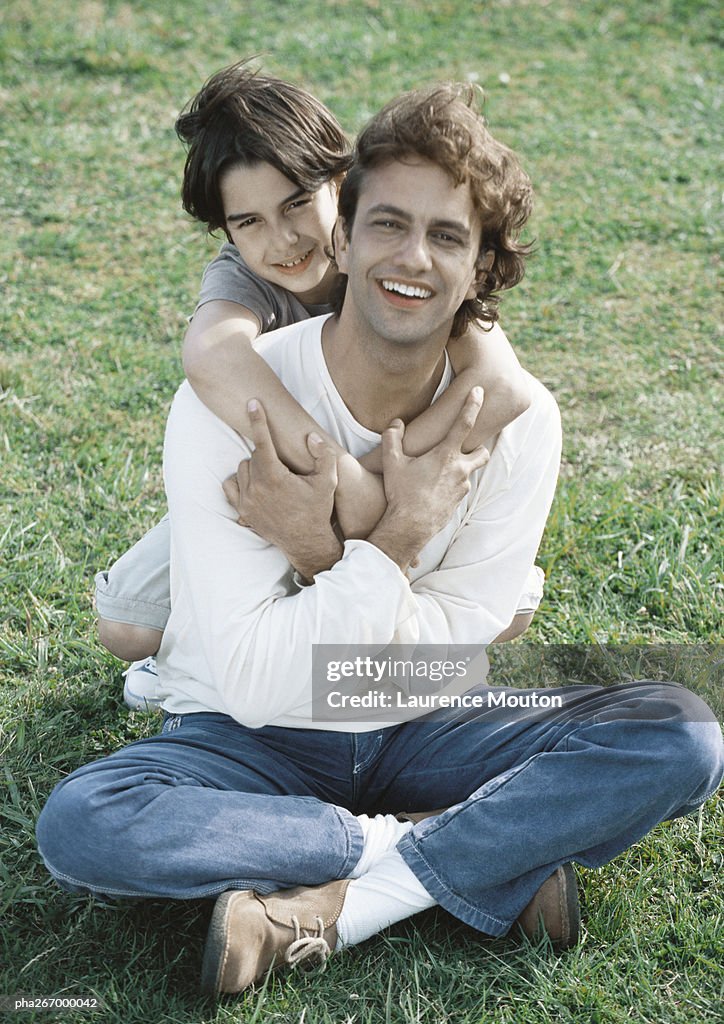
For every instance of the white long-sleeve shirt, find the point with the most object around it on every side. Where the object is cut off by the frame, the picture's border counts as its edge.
(240, 635)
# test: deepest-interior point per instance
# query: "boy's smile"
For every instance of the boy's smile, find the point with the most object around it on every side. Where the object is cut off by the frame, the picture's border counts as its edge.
(297, 265)
(281, 231)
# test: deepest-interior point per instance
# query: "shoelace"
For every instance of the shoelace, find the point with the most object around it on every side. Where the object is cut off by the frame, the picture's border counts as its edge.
(306, 946)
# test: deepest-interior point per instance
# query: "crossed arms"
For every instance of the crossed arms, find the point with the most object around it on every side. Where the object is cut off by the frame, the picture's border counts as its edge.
(295, 512)
(233, 595)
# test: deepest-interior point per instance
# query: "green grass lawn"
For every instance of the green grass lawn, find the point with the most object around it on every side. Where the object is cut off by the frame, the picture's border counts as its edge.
(613, 108)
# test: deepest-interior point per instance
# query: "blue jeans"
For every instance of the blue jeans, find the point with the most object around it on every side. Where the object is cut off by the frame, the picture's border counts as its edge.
(210, 805)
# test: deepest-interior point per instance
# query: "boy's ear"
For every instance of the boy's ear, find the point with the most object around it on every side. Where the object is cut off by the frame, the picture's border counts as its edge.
(341, 245)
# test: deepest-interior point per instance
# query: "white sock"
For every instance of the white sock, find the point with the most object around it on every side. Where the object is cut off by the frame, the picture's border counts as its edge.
(389, 892)
(381, 834)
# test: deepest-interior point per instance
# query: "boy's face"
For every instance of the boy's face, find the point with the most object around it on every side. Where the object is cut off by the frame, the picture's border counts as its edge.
(280, 230)
(412, 254)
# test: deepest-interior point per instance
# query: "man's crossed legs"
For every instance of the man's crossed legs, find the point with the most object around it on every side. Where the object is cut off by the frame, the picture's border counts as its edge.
(209, 805)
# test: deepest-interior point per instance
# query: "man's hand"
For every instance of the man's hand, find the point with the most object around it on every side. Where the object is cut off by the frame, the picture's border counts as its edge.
(423, 492)
(287, 509)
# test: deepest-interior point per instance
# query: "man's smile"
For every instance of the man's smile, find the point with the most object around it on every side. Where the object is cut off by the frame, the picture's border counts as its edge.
(404, 294)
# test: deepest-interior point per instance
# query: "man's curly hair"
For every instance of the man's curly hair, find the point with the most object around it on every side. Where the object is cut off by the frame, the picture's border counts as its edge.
(443, 124)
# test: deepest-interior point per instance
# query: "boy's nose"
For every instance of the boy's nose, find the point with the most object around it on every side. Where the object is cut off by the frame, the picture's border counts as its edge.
(285, 235)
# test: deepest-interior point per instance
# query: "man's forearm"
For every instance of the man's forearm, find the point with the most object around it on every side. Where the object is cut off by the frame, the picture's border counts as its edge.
(395, 538)
(315, 553)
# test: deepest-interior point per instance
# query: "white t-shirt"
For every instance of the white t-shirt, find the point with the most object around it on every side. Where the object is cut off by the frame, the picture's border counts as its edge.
(240, 635)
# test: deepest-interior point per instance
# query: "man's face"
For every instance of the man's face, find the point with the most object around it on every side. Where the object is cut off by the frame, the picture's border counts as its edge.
(280, 230)
(412, 251)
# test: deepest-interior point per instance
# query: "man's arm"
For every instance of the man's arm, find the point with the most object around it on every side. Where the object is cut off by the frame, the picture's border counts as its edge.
(293, 512)
(233, 599)
(472, 594)
(485, 562)
(289, 510)
(233, 595)
(422, 492)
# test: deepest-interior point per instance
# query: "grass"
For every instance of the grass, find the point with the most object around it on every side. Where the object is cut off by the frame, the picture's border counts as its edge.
(614, 111)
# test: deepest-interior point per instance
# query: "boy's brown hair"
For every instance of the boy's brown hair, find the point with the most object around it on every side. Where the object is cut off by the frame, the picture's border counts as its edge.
(241, 118)
(443, 124)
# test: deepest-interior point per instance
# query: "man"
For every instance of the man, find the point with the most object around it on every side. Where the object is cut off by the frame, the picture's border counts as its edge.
(290, 815)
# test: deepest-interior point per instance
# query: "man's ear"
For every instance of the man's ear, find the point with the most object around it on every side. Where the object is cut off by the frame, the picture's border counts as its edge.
(341, 245)
(483, 264)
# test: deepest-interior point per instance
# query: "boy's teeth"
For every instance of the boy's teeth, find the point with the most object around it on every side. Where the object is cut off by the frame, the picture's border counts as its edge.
(411, 291)
(293, 263)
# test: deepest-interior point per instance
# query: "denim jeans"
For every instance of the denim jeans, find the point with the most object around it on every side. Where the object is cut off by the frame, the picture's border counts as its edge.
(210, 805)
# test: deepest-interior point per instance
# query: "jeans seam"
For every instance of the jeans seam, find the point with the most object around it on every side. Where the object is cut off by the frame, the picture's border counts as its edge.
(349, 839)
(104, 890)
(476, 911)
(696, 802)
(360, 767)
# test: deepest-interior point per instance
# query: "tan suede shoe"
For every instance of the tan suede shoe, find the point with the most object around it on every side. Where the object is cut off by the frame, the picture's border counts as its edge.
(249, 933)
(554, 910)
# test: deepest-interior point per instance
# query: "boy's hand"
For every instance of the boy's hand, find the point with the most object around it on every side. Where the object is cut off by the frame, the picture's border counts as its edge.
(287, 509)
(423, 492)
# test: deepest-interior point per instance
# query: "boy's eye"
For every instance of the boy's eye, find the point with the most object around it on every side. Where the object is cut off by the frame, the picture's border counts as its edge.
(443, 236)
(244, 223)
(299, 202)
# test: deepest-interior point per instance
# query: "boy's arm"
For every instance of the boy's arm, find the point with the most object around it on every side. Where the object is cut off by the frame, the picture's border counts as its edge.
(225, 372)
(480, 358)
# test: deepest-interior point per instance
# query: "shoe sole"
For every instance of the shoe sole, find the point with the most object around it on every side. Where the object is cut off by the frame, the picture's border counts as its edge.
(139, 701)
(572, 912)
(217, 943)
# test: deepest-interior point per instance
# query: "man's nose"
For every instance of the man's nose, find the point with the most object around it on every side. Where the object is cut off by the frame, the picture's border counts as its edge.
(414, 251)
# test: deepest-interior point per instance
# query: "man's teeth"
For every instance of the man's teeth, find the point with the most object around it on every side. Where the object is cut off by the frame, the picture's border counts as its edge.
(297, 261)
(409, 290)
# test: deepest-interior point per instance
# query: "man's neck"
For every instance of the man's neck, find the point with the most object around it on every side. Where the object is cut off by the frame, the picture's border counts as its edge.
(378, 380)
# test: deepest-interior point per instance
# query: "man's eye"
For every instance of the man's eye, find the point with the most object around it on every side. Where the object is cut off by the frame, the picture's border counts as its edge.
(244, 223)
(443, 236)
(390, 224)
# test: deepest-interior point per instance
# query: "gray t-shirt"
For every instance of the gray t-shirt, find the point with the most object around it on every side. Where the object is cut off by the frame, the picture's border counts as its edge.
(227, 278)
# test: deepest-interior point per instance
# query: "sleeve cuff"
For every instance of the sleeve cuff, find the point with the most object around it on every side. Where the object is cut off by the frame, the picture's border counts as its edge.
(377, 556)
